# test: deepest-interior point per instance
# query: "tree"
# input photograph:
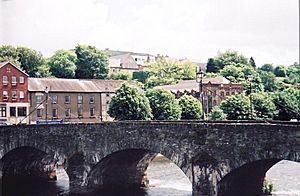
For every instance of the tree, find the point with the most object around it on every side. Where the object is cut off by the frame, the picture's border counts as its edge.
(8, 51)
(122, 75)
(287, 102)
(187, 70)
(191, 107)
(233, 73)
(212, 66)
(163, 104)
(280, 71)
(230, 58)
(267, 67)
(63, 64)
(158, 81)
(252, 62)
(263, 106)
(91, 62)
(33, 62)
(129, 103)
(293, 73)
(237, 107)
(217, 114)
(268, 79)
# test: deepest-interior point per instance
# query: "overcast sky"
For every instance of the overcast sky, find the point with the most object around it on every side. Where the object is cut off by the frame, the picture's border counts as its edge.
(268, 30)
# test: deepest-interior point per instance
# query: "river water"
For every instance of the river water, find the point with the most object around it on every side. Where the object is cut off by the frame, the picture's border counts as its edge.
(166, 179)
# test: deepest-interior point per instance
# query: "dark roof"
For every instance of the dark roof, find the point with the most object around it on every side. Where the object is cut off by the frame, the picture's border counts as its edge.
(74, 85)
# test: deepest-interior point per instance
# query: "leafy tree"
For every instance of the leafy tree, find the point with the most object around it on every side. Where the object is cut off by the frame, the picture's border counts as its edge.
(91, 62)
(62, 64)
(233, 73)
(237, 107)
(33, 62)
(212, 66)
(122, 75)
(217, 114)
(252, 62)
(158, 81)
(8, 51)
(268, 79)
(187, 70)
(287, 102)
(263, 106)
(280, 71)
(267, 67)
(140, 76)
(129, 103)
(231, 57)
(293, 73)
(10, 59)
(191, 107)
(163, 104)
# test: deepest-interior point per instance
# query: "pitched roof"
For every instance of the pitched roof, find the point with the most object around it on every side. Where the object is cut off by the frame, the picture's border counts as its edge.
(7, 62)
(74, 85)
(189, 85)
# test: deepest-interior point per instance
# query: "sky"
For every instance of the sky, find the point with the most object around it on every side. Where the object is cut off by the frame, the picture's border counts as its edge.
(268, 30)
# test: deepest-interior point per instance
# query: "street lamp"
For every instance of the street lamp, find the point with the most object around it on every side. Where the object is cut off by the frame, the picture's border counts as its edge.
(199, 79)
(46, 92)
(250, 79)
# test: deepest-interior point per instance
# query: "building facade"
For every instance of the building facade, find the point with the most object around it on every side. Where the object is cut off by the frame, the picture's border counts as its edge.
(14, 103)
(214, 90)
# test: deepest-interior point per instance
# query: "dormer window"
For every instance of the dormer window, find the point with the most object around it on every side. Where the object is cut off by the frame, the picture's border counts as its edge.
(14, 80)
(5, 80)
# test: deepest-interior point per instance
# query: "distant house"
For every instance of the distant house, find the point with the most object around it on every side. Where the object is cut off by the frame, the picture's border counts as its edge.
(14, 103)
(127, 61)
(214, 90)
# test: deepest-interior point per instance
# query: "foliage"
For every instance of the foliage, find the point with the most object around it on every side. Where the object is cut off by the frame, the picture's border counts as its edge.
(293, 73)
(252, 62)
(163, 104)
(230, 58)
(140, 76)
(217, 114)
(191, 107)
(263, 106)
(237, 107)
(287, 102)
(91, 62)
(268, 79)
(280, 71)
(158, 81)
(212, 66)
(31, 61)
(129, 103)
(267, 67)
(233, 73)
(187, 70)
(268, 187)
(63, 64)
(122, 75)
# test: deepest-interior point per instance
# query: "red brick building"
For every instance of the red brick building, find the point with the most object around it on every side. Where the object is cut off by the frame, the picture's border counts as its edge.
(214, 90)
(14, 103)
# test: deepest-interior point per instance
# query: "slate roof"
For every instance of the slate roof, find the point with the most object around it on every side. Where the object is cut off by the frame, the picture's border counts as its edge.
(74, 85)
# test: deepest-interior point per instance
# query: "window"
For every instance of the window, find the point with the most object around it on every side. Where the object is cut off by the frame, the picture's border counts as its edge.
(68, 112)
(54, 113)
(21, 94)
(54, 99)
(14, 95)
(5, 80)
(12, 111)
(13, 80)
(79, 99)
(22, 79)
(67, 99)
(3, 111)
(92, 112)
(38, 99)
(222, 94)
(5, 95)
(39, 113)
(233, 93)
(92, 99)
(22, 111)
(80, 113)
(227, 93)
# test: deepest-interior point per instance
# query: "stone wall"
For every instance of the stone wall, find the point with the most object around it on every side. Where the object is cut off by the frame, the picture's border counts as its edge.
(212, 155)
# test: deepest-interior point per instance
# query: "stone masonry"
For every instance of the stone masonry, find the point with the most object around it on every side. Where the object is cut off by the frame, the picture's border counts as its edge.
(220, 158)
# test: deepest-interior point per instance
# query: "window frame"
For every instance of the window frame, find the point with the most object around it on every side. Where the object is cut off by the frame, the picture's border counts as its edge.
(12, 80)
(67, 101)
(92, 99)
(22, 79)
(81, 99)
(5, 82)
(68, 111)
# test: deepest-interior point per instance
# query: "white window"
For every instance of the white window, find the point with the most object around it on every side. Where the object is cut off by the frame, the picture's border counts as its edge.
(13, 80)
(92, 99)
(79, 99)
(22, 79)
(67, 99)
(5, 95)
(5, 80)
(14, 95)
(68, 112)
(54, 99)
(80, 113)
(21, 94)
(54, 113)
(38, 99)
(92, 112)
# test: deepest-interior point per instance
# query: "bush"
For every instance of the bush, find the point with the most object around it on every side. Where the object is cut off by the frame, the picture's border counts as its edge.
(268, 187)
(217, 114)
(191, 107)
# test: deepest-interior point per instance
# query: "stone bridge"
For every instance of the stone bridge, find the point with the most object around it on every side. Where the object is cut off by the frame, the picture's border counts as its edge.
(220, 158)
